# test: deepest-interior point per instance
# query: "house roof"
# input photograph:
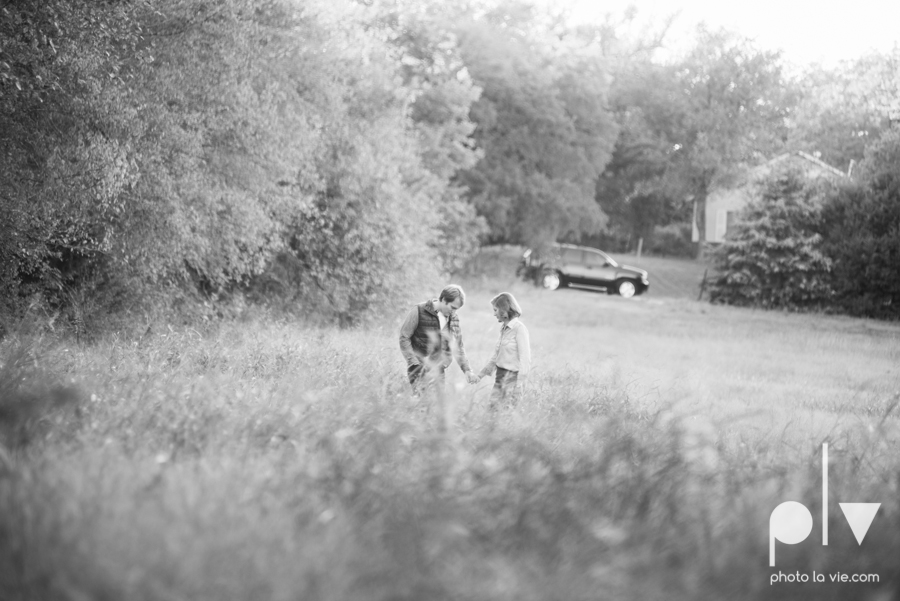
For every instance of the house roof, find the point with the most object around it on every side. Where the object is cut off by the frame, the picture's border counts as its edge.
(814, 160)
(744, 186)
(751, 175)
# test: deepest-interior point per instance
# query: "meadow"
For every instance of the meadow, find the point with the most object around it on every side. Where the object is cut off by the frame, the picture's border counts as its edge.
(267, 459)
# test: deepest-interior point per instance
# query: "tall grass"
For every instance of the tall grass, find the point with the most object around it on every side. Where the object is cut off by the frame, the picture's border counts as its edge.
(266, 460)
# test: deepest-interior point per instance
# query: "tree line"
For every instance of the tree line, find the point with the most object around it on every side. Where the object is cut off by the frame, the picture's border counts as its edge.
(336, 153)
(819, 245)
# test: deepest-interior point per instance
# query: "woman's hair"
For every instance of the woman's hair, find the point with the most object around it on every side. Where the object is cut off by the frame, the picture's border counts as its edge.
(451, 292)
(507, 304)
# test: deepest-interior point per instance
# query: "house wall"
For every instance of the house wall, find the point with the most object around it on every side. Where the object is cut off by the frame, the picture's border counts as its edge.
(724, 204)
(718, 204)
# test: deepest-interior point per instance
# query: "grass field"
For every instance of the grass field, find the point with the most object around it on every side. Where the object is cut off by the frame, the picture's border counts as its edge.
(264, 459)
(734, 370)
(669, 278)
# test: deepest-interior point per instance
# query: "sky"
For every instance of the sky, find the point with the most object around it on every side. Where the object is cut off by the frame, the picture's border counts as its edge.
(807, 31)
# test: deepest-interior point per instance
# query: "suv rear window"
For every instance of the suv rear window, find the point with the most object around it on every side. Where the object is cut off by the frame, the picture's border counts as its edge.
(570, 255)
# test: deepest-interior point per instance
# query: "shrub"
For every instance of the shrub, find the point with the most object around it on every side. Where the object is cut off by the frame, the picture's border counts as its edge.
(861, 225)
(673, 240)
(775, 257)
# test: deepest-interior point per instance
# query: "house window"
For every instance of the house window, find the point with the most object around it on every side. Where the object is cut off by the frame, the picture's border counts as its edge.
(731, 218)
(721, 224)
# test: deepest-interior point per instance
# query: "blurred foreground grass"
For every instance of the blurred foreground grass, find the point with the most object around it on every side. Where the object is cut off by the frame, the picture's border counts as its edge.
(266, 460)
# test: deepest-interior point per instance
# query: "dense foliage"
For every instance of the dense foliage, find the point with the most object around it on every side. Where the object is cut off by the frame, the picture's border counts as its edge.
(191, 142)
(686, 126)
(802, 245)
(66, 164)
(340, 156)
(545, 130)
(774, 258)
(862, 229)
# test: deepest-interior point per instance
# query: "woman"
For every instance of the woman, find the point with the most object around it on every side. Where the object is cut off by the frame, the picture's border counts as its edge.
(512, 357)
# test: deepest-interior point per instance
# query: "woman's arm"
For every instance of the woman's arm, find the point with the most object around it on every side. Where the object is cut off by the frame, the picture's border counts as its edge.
(492, 364)
(523, 344)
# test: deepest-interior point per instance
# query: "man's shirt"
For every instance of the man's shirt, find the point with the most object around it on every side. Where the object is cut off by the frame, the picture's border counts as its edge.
(513, 351)
(451, 337)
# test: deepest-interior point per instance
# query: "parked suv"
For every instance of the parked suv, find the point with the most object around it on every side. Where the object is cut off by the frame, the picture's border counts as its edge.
(581, 266)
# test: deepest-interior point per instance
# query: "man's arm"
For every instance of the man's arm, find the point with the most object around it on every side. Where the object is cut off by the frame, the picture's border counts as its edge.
(406, 331)
(460, 348)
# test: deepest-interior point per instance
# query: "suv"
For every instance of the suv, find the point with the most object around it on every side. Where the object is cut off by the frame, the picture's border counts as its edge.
(569, 265)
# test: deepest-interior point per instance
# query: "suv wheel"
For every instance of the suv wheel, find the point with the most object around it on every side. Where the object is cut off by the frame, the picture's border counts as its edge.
(625, 288)
(551, 280)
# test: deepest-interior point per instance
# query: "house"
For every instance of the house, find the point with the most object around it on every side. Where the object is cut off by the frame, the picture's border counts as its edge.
(724, 204)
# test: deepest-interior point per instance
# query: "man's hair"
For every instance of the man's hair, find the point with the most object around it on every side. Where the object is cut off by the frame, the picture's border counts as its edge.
(452, 292)
(508, 306)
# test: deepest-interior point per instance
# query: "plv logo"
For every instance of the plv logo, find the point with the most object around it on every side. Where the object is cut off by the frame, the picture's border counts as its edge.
(791, 522)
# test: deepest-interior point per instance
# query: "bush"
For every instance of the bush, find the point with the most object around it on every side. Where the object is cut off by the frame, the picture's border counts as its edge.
(673, 240)
(861, 225)
(775, 257)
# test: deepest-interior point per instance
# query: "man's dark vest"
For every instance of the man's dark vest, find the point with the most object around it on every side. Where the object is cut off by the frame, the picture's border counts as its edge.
(426, 339)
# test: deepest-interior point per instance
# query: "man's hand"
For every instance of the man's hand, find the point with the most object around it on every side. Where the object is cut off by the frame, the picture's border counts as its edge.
(472, 378)
(414, 372)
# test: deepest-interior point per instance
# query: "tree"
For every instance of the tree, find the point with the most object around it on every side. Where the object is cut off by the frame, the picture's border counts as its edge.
(775, 258)
(687, 125)
(736, 109)
(442, 93)
(637, 189)
(64, 165)
(861, 225)
(842, 110)
(544, 128)
(192, 143)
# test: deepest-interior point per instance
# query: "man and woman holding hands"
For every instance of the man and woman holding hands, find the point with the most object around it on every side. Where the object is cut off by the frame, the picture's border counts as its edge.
(430, 337)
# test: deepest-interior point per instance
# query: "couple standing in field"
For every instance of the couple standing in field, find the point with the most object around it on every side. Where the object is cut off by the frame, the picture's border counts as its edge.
(430, 338)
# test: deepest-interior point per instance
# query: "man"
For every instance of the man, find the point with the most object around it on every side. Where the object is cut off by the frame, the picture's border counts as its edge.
(430, 336)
